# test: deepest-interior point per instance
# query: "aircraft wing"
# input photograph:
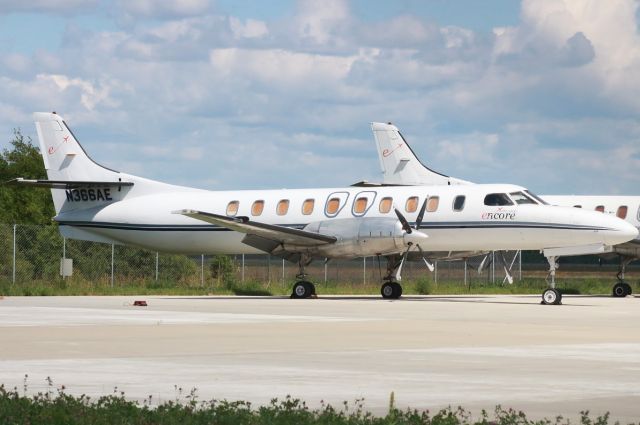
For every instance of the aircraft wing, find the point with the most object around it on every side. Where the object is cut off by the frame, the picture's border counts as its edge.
(275, 234)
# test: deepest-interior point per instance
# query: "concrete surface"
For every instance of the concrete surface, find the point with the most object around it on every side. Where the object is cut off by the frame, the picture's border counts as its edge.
(474, 351)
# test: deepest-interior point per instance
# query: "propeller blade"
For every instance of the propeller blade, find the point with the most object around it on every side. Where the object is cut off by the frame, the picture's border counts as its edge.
(421, 214)
(507, 276)
(399, 270)
(429, 265)
(405, 224)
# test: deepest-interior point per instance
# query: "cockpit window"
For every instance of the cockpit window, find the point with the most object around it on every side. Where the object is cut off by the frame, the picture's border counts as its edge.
(497, 200)
(521, 198)
(536, 197)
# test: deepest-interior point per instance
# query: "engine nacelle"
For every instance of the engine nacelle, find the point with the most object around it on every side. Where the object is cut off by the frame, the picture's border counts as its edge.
(357, 237)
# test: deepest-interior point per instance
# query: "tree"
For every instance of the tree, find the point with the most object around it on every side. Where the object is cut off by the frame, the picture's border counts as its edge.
(19, 204)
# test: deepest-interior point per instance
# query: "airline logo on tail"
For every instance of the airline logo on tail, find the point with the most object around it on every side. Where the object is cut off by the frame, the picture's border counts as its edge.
(53, 149)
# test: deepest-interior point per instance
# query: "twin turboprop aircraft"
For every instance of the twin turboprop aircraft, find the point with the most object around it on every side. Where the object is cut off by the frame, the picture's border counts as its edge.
(400, 166)
(397, 222)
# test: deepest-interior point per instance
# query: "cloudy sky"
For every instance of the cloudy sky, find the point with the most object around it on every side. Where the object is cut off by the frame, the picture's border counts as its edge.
(234, 94)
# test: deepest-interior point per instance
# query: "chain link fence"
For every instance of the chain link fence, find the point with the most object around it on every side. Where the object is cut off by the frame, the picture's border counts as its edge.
(31, 253)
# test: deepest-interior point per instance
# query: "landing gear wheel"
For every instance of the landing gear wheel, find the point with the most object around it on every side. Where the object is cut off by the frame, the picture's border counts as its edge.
(391, 290)
(303, 289)
(621, 289)
(551, 296)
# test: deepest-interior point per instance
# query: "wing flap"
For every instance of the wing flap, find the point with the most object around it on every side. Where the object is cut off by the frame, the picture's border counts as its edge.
(272, 232)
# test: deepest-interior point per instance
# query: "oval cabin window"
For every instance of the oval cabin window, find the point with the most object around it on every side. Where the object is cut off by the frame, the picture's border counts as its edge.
(232, 208)
(360, 206)
(600, 208)
(333, 205)
(385, 204)
(307, 206)
(283, 207)
(257, 207)
(432, 203)
(411, 205)
(622, 212)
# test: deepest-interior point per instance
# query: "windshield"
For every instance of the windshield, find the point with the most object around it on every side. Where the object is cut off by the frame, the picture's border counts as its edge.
(497, 200)
(536, 197)
(521, 198)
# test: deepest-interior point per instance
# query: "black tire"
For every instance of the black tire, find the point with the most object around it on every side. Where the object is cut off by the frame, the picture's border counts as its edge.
(620, 290)
(302, 289)
(628, 288)
(398, 290)
(312, 288)
(388, 291)
(551, 296)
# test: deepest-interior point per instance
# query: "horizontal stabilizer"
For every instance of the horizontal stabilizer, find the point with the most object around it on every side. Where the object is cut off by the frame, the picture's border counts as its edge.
(272, 232)
(66, 184)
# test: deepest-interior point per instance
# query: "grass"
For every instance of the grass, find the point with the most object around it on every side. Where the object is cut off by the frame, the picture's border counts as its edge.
(421, 286)
(57, 407)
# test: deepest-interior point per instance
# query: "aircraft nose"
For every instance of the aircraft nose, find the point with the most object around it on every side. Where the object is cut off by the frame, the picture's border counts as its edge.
(621, 231)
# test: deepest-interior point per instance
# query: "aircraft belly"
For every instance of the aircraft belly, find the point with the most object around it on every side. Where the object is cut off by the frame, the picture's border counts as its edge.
(178, 242)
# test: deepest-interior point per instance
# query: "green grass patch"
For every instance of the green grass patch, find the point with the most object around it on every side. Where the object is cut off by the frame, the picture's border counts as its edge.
(57, 407)
(421, 286)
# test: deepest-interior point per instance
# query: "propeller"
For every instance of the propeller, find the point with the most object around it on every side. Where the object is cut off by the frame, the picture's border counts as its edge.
(415, 239)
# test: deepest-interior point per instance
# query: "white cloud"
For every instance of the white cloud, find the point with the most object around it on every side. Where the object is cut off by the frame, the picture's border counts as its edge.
(251, 28)
(534, 103)
(47, 6)
(162, 8)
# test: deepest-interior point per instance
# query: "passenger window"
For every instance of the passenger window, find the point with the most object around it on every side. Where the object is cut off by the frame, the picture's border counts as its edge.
(411, 205)
(257, 207)
(333, 206)
(232, 208)
(577, 206)
(385, 204)
(497, 200)
(600, 208)
(307, 206)
(458, 203)
(432, 203)
(622, 212)
(521, 198)
(283, 207)
(360, 206)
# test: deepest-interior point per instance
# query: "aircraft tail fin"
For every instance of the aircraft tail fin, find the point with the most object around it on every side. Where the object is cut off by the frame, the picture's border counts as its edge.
(399, 163)
(65, 160)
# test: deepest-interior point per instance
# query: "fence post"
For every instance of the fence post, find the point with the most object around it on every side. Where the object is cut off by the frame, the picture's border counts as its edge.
(364, 271)
(325, 270)
(14, 254)
(157, 258)
(113, 255)
(202, 271)
(435, 273)
(493, 267)
(243, 267)
(283, 272)
(465, 274)
(520, 266)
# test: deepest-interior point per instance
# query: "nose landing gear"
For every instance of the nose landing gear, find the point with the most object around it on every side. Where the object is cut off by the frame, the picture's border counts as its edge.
(551, 296)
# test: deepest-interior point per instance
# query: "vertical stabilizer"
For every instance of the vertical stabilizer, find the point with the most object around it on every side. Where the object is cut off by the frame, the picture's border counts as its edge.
(64, 158)
(398, 162)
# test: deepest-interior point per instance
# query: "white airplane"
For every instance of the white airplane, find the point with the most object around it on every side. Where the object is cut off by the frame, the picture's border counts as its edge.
(99, 204)
(401, 166)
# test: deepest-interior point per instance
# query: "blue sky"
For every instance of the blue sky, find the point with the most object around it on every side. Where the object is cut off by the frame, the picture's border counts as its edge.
(233, 94)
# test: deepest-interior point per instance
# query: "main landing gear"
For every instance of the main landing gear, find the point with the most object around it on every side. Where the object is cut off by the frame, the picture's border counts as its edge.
(551, 295)
(391, 289)
(621, 288)
(303, 288)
